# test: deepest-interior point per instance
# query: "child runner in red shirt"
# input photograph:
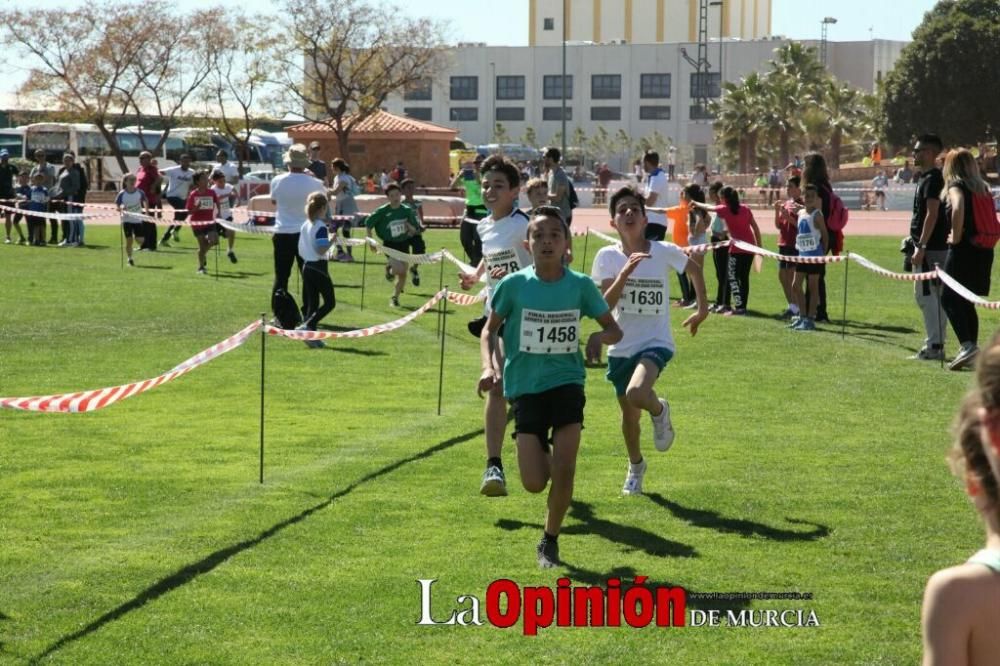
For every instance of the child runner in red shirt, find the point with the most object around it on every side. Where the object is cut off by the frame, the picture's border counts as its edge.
(203, 205)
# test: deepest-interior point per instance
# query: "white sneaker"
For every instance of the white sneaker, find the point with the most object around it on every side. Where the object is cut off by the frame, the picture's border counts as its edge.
(663, 430)
(965, 358)
(633, 480)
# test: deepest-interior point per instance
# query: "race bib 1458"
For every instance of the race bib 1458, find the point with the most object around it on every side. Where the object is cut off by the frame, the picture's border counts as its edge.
(545, 332)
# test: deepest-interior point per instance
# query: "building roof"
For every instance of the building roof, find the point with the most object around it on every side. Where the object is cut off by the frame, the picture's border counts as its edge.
(379, 123)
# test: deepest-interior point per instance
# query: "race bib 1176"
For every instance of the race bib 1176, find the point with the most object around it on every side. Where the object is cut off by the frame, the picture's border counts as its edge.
(545, 332)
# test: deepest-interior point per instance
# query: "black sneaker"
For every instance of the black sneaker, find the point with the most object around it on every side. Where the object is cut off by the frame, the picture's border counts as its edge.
(232, 256)
(548, 553)
(177, 236)
(416, 277)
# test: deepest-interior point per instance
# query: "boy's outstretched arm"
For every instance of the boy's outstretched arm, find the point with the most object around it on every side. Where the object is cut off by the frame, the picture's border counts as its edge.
(490, 375)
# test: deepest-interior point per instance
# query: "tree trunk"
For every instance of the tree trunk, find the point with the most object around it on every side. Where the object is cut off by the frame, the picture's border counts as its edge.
(784, 141)
(835, 142)
(751, 152)
(112, 142)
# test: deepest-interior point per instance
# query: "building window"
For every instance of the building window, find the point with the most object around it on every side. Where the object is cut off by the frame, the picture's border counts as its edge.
(510, 113)
(700, 113)
(465, 87)
(606, 86)
(418, 91)
(654, 86)
(654, 113)
(552, 87)
(463, 113)
(706, 84)
(548, 24)
(555, 113)
(605, 113)
(418, 113)
(510, 87)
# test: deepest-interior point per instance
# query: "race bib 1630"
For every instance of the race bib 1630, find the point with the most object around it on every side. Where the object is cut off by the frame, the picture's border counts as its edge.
(644, 296)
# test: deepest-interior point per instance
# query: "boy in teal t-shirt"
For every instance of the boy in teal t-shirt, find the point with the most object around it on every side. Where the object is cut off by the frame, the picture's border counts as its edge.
(543, 375)
(394, 223)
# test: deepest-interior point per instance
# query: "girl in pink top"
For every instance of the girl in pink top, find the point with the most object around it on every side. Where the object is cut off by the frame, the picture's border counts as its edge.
(742, 227)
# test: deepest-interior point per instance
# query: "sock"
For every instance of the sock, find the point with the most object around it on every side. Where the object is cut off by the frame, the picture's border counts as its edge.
(494, 462)
(636, 466)
(794, 308)
(549, 537)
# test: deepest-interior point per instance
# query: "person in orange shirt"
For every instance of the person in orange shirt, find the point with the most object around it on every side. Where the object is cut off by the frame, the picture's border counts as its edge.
(678, 216)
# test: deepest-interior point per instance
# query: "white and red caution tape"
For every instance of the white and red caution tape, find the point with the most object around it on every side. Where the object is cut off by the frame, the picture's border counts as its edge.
(964, 292)
(361, 332)
(93, 400)
(892, 275)
(51, 216)
(467, 299)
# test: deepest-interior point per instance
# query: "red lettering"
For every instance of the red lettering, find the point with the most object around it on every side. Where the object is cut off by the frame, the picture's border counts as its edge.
(563, 603)
(614, 602)
(638, 604)
(538, 609)
(675, 597)
(497, 617)
(588, 607)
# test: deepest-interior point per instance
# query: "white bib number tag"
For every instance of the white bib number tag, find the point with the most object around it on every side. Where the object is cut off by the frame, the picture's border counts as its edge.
(807, 242)
(205, 203)
(397, 228)
(505, 259)
(644, 296)
(545, 332)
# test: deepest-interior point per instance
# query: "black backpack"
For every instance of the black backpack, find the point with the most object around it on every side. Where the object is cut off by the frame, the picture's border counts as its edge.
(286, 311)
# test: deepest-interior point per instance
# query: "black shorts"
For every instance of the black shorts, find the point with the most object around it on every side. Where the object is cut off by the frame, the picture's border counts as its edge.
(221, 230)
(811, 269)
(203, 229)
(178, 205)
(399, 246)
(787, 251)
(132, 229)
(538, 413)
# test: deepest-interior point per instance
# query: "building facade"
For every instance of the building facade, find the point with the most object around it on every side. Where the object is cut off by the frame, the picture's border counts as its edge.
(643, 21)
(636, 88)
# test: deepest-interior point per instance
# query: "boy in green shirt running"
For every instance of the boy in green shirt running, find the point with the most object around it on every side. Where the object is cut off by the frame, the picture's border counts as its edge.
(394, 223)
(543, 374)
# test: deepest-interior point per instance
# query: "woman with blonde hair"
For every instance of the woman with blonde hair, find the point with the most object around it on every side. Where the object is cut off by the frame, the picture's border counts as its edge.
(968, 263)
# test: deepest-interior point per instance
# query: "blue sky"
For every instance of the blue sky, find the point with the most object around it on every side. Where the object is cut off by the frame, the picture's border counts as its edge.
(488, 21)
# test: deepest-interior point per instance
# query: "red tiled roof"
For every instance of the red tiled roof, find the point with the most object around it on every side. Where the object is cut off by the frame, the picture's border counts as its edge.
(379, 122)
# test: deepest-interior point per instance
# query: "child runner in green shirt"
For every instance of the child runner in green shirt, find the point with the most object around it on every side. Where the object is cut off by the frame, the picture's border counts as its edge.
(543, 374)
(394, 223)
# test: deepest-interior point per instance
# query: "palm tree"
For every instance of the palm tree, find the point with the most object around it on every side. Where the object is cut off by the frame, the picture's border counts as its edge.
(739, 115)
(786, 96)
(845, 111)
(800, 62)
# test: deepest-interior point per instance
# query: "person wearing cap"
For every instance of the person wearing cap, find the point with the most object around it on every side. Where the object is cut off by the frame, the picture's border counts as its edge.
(8, 172)
(316, 164)
(148, 179)
(67, 185)
(289, 192)
(228, 169)
(48, 173)
(475, 210)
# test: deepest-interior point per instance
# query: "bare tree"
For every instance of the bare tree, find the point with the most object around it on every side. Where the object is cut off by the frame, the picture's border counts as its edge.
(342, 60)
(238, 86)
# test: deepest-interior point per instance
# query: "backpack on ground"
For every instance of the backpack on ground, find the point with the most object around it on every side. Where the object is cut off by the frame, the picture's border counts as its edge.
(838, 214)
(574, 200)
(984, 219)
(286, 310)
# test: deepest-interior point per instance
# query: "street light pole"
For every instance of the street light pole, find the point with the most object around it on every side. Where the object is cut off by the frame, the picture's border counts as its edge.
(565, 33)
(493, 115)
(827, 21)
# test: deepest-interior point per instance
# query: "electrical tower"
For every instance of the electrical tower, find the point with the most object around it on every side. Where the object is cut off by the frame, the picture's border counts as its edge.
(702, 66)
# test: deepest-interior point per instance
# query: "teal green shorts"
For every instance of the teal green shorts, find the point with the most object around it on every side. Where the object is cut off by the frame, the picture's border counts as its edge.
(620, 369)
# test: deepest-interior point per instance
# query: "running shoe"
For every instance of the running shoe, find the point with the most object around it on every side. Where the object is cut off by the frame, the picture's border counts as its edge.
(663, 430)
(416, 277)
(232, 256)
(494, 484)
(202, 271)
(965, 358)
(131, 262)
(926, 354)
(548, 553)
(633, 479)
(394, 301)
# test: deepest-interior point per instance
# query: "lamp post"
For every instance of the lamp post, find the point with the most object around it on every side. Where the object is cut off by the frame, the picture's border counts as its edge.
(493, 113)
(565, 33)
(827, 21)
(718, 3)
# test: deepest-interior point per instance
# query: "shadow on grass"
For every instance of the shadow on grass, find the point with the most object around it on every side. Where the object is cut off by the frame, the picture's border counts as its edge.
(868, 326)
(236, 275)
(3, 616)
(353, 351)
(151, 267)
(632, 538)
(188, 573)
(747, 528)
(698, 600)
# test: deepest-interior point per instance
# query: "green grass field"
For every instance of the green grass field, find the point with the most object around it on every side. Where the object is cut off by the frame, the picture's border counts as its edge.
(140, 534)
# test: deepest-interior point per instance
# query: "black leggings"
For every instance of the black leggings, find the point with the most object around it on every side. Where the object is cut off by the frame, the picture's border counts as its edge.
(739, 278)
(962, 316)
(471, 243)
(316, 284)
(286, 252)
(720, 257)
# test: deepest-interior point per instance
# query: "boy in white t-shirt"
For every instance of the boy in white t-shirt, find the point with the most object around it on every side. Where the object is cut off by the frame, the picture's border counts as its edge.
(227, 199)
(633, 276)
(502, 234)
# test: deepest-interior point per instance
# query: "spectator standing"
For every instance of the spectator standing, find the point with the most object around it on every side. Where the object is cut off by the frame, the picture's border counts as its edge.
(742, 227)
(929, 229)
(967, 262)
(468, 179)
(290, 192)
(48, 173)
(316, 164)
(65, 190)
(345, 205)
(81, 194)
(655, 194)
(879, 183)
(8, 172)
(672, 163)
(149, 180)
(603, 181)
(904, 174)
(559, 185)
(815, 173)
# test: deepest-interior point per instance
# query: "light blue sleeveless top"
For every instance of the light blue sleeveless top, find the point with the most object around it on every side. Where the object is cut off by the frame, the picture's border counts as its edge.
(988, 558)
